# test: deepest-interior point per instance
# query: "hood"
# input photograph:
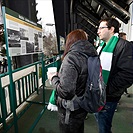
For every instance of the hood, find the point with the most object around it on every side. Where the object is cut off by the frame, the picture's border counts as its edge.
(84, 46)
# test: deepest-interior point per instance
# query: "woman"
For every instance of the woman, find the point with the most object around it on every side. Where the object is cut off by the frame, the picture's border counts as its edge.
(72, 79)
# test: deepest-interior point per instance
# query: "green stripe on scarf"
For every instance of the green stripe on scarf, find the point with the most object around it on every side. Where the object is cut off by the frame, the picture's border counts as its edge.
(111, 44)
(52, 98)
(105, 74)
(107, 50)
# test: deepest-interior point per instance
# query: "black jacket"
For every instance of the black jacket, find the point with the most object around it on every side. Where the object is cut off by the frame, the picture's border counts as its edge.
(121, 74)
(73, 72)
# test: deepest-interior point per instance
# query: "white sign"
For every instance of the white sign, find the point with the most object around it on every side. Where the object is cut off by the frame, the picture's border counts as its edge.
(24, 36)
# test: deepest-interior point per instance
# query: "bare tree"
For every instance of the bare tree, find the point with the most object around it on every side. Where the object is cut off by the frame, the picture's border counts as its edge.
(50, 45)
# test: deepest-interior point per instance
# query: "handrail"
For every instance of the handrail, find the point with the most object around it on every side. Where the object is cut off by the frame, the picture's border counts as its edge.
(23, 87)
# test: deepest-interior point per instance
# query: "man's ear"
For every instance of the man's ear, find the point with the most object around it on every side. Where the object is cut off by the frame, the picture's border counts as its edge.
(112, 29)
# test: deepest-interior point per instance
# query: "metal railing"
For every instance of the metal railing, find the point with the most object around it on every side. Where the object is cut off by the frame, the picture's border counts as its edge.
(24, 84)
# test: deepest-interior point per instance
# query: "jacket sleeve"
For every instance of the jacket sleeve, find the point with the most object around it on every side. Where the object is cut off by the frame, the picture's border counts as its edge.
(122, 73)
(65, 82)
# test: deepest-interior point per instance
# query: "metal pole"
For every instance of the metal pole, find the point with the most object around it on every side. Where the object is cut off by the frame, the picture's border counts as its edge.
(43, 77)
(12, 87)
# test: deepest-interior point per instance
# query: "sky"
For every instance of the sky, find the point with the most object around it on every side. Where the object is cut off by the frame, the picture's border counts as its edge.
(45, 11)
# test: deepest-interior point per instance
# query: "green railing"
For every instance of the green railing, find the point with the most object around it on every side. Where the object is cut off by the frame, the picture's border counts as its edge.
(25, 83)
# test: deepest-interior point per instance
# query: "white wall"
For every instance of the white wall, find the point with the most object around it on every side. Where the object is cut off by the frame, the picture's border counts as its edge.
(128, 28)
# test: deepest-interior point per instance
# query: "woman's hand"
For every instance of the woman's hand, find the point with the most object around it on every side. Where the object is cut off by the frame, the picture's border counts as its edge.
(51, 74)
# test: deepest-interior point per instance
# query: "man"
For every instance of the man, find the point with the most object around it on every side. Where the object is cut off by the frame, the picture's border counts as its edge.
(124, 36)
(117, 69)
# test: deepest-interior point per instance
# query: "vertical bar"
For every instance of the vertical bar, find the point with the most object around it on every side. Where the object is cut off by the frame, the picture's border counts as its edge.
(29, 84)
(43, 77)
(12, 87)
(23, 91)
(3, 107)
(12, 97)
(4, 101)
(32, 82)
(19, 92)
(36, 76)
(26, 87)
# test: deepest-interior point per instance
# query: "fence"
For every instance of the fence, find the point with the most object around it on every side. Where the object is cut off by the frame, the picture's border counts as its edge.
(14, 92)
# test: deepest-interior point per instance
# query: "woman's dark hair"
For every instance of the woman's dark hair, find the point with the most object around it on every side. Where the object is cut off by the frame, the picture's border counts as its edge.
(112, 22)
(73, 37)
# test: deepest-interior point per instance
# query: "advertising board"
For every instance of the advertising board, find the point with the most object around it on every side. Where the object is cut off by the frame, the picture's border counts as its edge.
(23, 35)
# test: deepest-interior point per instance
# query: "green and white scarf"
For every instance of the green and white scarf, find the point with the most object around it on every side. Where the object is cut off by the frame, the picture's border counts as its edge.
(106, 56)
(52, 105)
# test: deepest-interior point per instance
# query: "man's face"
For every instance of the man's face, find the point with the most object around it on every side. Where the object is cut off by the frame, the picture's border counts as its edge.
(103, 31)
(124, 37)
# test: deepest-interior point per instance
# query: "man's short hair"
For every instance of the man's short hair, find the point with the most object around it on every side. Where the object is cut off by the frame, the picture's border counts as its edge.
(121, 34)
(112, 22)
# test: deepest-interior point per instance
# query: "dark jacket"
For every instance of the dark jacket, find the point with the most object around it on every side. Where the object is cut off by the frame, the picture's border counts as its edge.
(121, 74)
(73, 72)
